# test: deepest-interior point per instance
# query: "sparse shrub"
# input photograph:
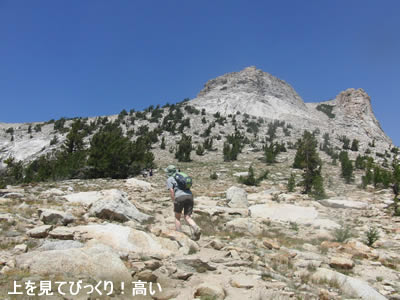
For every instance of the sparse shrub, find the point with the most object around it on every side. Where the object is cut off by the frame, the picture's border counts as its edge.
(200, 150)
(291, 183)
(54, 140)
(326, 109)
(343, 233)
(38, 127)
(372, 235)
(214, 176)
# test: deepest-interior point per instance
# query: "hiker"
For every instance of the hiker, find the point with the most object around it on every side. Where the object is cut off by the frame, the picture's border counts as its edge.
(182, 198)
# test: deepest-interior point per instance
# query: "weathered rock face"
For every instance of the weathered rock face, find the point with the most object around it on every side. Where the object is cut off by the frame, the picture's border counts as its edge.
(250, 91)
(260, 94)
(96, 261)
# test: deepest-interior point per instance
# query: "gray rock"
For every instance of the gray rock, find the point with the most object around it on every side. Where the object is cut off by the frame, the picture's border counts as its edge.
(93, 261)
(343, 203)
(40, 232)
(52, 217)
(237, 197)
(123, 239)
(194, 264)
(49, 245)
(290, 213)
(114, 205)
(349, 285)
(62, 233)
(211, 290)
(138, 184)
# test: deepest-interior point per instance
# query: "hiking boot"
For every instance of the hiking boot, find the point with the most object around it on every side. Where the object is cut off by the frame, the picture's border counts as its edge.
(196, 234)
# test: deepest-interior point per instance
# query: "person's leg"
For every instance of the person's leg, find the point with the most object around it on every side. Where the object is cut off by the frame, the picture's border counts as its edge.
(178, 226)
(188, 210)
(178, 207)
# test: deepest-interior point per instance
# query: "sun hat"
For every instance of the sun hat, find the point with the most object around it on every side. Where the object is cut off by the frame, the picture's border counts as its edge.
(171, 170)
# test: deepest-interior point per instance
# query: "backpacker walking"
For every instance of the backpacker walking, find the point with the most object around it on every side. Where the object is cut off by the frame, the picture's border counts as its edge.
(179, 184)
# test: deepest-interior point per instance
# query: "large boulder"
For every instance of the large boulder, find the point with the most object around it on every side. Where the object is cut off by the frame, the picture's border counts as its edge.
(290, 213)
(244, 225)
(114, 205)
(84, 198)
(40, 231)
(181, 241)
(210, 290)
(237, 197)
(137, 184)
(59, 245)
(96, 261)
(347, 284)
(122, 239)
(52, 216)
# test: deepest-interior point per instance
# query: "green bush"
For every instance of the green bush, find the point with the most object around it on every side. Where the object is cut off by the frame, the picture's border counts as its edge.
(371, 236)
(326, 109)
(343, 233)
(214, 176)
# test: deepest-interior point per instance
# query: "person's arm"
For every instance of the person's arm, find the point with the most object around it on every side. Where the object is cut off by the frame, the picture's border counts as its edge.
(171, 190)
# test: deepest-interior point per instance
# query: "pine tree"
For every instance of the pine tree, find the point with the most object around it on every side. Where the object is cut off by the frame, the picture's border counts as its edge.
(354, 145)
(200, 150)
(74, 141)
(307, 158)
(184, 148)
(347, 167)
(291, 183)
(162, 146)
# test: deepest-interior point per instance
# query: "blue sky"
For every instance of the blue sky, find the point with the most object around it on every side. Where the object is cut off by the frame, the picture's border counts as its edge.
(88, 58)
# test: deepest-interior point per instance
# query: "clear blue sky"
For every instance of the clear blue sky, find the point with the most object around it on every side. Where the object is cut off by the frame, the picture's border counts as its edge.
(95, 57)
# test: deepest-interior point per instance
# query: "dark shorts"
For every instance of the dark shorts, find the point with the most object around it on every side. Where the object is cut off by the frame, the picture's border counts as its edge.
(184, 203)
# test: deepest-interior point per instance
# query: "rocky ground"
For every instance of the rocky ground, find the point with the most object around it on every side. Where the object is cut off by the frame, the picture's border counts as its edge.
(257, 242)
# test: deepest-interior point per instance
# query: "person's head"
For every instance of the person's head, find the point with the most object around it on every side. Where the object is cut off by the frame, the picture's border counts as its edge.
(170, 170)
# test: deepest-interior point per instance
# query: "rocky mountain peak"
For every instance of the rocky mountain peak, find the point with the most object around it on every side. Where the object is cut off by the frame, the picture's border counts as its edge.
(251, 81)
(356, 104)
(250, 91)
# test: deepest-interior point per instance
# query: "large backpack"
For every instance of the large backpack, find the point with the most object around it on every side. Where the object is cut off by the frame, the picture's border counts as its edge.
(183, 180)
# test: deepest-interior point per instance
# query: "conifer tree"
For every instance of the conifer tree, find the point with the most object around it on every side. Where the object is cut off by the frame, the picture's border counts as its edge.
(307, 158)
(347, 167)
(291, 183)
(162, 146)
(184, 148)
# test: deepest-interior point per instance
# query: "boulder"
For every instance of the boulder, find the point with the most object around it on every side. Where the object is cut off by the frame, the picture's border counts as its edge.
(62, 233)
(138, 184)
(244, 225)
(59, 245)
(341, 263)
(194, 264)
(114, 205)
(343, 203)
(211, 290)
(237, 197)
(290, 213)
(242, 281)
(84, 198)
(123, 239)
(52, 216)
(347, 284)
(185, 244)
(92, 261)
(271, 244)
(40, 232)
